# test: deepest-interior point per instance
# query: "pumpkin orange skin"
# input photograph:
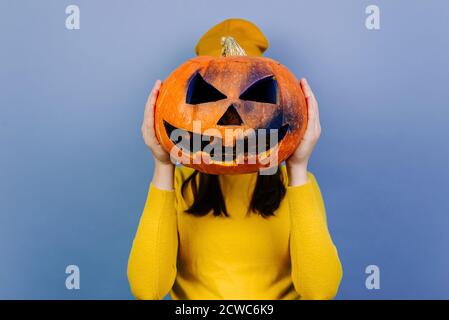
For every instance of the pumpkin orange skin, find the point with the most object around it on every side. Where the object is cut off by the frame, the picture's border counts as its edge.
(231, 75)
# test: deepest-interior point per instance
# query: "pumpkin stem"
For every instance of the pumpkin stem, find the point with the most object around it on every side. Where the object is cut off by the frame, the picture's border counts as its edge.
(230, 47)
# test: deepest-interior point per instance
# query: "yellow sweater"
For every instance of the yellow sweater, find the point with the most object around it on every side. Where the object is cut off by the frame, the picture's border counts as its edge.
(286, 256)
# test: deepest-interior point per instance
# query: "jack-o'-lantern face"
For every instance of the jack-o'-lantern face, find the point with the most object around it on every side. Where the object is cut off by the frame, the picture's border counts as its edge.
(206, 97)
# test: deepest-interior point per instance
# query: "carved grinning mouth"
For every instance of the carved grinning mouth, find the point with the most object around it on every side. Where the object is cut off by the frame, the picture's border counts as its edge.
(248, 145)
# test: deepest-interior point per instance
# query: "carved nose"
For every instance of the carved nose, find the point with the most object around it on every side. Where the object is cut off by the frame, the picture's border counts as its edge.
(230, 118)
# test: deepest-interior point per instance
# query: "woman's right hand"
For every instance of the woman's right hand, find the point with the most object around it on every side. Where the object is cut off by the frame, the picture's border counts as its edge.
(149, 136)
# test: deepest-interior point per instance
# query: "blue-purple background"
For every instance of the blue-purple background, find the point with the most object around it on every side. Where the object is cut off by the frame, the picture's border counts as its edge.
(74, 171)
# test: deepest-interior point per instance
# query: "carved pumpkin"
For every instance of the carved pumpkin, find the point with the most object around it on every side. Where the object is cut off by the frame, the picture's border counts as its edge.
(233, 91)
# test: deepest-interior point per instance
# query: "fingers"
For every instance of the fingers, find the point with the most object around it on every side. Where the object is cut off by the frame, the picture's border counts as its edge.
(151, 101)
(313, 125)
(148, 118)
(306, 88)
(311, 109)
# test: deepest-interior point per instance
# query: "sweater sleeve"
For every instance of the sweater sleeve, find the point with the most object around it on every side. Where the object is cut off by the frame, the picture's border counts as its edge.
(152, 261)
(316, 268)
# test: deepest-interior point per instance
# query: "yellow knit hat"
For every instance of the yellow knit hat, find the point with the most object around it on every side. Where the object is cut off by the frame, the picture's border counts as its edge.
(247, 34)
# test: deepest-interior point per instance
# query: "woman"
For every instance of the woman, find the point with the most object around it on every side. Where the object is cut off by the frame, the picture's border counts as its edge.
(234, 236)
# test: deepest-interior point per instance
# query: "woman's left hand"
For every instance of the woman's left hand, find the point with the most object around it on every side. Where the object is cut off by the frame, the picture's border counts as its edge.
(298, 161)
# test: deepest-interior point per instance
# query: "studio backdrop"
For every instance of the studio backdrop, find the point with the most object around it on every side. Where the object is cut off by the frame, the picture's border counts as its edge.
(74, 171)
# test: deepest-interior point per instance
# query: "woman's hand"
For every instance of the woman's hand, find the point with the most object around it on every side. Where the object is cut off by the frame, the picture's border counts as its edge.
(298, 161)
(163, 167)
(148, 133)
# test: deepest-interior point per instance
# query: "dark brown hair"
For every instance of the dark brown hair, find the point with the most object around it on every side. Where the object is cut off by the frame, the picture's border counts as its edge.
(207, 196)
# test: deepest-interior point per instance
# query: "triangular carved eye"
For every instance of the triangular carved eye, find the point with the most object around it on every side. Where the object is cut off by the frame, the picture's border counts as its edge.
(200, 91)
(263, 90)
